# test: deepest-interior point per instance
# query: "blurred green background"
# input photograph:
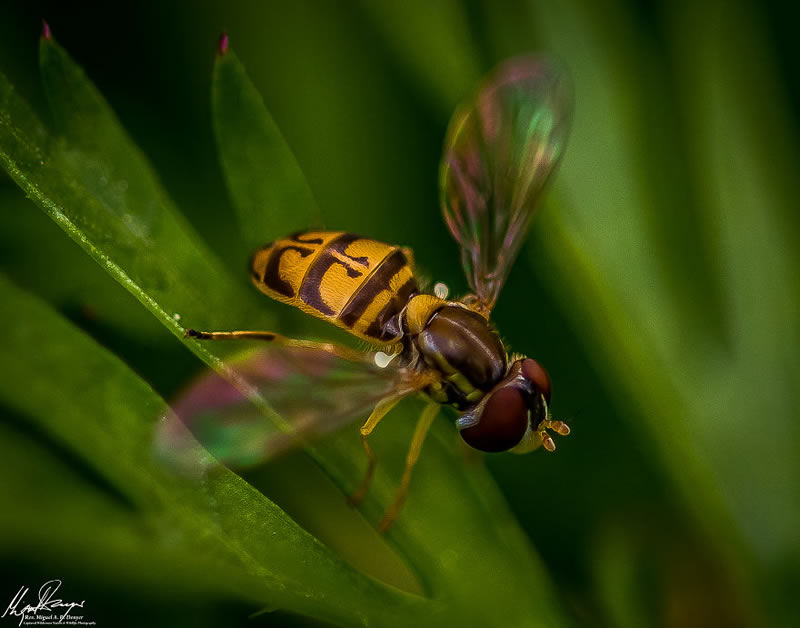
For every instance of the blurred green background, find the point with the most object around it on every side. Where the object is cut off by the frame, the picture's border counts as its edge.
(660, 285)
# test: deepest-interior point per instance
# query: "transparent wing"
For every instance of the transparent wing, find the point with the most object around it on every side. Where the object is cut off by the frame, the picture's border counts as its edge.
(500, 150)
(313, 392)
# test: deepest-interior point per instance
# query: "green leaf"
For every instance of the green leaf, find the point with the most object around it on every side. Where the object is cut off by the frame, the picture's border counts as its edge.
(455, 529)
(108, 193)
(268, 189)
(82, 286)
(66, 509)
(244, 545)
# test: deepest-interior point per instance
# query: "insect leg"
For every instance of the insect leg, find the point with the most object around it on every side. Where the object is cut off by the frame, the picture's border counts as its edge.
(269, 336)
(380, 411)
(423, 425)
(559, 427)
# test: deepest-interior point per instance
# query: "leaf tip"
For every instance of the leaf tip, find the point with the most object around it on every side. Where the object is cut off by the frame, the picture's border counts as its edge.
(46, 32)
(222, 44)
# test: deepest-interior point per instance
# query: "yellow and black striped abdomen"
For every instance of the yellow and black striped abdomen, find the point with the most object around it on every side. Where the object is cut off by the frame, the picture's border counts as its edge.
(357, 284)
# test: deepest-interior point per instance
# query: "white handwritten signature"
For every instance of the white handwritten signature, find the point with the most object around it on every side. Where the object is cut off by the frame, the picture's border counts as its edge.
(46, 602)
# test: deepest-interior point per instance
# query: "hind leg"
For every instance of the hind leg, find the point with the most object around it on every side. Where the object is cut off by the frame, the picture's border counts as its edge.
(420, 432)
(269, 336)
(380, 411)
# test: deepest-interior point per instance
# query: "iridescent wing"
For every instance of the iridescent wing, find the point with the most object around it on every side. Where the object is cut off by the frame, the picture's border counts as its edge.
(312, 392)
(500, 150)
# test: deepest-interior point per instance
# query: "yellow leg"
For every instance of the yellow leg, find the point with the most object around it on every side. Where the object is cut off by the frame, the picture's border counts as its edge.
(559, 427)
(380, 411)
(423, 425)
(268, 336)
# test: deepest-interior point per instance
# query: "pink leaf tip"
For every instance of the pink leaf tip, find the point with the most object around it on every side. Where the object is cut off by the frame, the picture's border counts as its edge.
(46, 33)
(222, 45)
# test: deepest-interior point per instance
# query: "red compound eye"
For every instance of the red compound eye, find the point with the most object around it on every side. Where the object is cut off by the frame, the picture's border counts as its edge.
(534, 372)
(502, 421)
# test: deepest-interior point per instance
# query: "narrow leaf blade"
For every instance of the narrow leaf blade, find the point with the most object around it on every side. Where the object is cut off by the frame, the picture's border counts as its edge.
(269, 191)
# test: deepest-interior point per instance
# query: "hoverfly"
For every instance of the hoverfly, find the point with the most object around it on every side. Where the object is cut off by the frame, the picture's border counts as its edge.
(500, 150)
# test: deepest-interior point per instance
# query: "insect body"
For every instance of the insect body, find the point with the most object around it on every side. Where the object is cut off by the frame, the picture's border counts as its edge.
(358, 284)
(500, 150)
(368, 288)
